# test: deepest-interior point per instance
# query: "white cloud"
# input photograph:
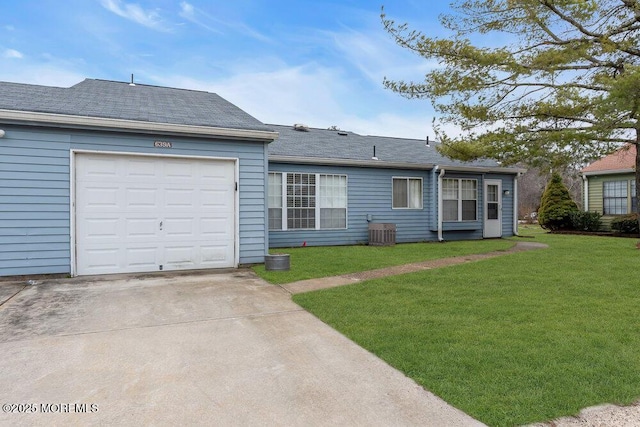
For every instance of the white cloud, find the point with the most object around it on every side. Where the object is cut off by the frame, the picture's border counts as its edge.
(134, 12)
(210, 23)
(187, 9)
(316, 96)
(38, 74)
(375, 55)
(188, 12)
(12, 54)
(281, 96)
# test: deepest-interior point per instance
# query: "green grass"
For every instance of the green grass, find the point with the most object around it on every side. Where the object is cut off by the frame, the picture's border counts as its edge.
(314, 262)
(511, 340)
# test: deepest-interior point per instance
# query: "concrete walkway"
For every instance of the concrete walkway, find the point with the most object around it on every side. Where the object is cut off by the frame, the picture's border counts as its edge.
(347, 279)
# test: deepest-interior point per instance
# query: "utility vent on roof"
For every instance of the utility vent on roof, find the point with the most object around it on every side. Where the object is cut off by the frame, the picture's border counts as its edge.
(343, 133)
(300, 127)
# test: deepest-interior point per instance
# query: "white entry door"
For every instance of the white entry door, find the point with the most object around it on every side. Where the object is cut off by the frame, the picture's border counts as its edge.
(492, 208)
(143, 213)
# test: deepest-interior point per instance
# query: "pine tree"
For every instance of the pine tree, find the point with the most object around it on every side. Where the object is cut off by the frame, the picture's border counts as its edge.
(556, 206)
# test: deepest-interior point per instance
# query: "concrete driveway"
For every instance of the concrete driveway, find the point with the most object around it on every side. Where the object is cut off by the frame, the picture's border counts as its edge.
(190, 349)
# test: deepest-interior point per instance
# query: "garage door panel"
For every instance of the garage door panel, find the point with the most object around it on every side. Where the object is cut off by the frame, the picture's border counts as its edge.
(214, 255)
(153, 213)
(141, 170)
(97, 170)
(99, 197)
(180, 198)
(181, 256)
(215, 227)
(102, 260)
(145, 258)
(219, 170)
(142, 228)
(100, 229)
(181, 170)
(143, 198)
(216, 199)
(180, 228)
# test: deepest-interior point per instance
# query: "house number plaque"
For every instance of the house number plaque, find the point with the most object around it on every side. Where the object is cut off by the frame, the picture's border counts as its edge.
(162, 144)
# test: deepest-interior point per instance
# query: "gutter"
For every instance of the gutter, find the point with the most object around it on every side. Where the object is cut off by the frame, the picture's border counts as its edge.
(440, 209)
(608, 172)
(65, 120)
(348, 162)
(388, 165)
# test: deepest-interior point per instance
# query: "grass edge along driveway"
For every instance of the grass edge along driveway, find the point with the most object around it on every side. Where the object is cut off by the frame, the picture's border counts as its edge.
(511, 340)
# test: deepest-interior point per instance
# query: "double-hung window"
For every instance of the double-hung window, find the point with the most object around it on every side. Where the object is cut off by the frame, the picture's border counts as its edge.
(614, 197)
(407, 193)
(275, 201)
(459, 199)
(307, 201)
(333, 201)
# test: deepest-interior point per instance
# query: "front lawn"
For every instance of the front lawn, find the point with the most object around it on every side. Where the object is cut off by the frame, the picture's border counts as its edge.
(314, 262)
(511, 340)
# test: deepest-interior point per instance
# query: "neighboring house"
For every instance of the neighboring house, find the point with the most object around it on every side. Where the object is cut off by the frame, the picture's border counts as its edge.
(610, 186)
(109, 177)
(327, 186)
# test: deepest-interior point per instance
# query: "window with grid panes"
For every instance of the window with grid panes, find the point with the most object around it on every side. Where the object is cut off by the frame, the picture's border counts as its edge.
(312, 201)
(614, 197)
(459, 199)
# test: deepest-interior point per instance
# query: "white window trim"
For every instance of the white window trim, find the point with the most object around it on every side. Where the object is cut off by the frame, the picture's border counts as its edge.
(317, 207)
(460, 199)
(407, 178)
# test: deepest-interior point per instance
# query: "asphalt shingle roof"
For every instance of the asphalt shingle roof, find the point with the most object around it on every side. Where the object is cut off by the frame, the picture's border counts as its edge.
(624, 158)
(329, 144)
(118, 100)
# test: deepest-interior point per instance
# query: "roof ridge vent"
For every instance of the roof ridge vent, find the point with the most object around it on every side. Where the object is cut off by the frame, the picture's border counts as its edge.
(300, 127)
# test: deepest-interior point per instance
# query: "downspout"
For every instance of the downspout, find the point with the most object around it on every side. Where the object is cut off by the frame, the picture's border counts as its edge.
(585, 196)
(515, 204)
(440, 209)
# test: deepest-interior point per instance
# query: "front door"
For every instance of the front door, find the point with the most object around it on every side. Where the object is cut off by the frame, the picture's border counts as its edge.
(492, 208)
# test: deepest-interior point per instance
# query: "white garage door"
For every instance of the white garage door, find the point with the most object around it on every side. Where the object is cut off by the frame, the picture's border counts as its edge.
(139, 214)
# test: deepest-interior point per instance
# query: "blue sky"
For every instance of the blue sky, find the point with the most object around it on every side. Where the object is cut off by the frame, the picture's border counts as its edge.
(320, 63)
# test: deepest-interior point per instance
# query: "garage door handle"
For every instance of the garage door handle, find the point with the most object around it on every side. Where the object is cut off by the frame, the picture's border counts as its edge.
(160, 225)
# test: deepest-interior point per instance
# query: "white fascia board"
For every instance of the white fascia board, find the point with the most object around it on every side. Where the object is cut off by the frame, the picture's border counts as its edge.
(609, 172)
(85, 122)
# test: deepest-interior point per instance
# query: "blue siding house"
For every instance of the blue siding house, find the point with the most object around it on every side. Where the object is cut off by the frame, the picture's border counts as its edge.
(110, 177)
(327, 186)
